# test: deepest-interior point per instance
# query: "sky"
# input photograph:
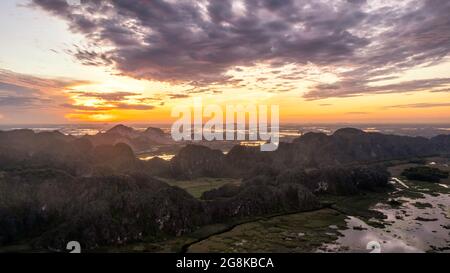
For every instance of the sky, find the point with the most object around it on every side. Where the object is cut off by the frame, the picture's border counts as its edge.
(323, 61)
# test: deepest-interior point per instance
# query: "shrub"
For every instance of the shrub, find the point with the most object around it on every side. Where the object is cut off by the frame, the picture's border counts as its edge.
(427, 174)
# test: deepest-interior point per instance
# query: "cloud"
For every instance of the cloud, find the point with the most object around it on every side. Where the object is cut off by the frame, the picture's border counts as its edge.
(26, 91)
(16, 101)
(115, 106)
(13, 88)
(197, 42)
(178, 96)
(106, 101)
(419, 105)
(357, 113)
(86, 107)
(12, 95)
(90, 57)
(347, 88)
(134, 106)
(35, 83)
(110, 96)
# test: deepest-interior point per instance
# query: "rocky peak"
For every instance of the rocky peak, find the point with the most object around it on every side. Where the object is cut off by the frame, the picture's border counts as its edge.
(348, 132)
(197, 161)
(123, 130)
(154, 131)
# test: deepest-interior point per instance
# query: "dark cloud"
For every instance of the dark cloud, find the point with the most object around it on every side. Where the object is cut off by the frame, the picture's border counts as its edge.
(441, 90)
(85, 107)
(358, 2)
(90, 57)
(110, 96)
(178, 96)
(111, 101)
(115, 106)
(198, 41)
(56, 6)
(134, 106)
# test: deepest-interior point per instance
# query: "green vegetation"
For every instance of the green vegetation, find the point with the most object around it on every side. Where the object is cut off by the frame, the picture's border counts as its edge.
(196, 187)
(300, 232)
(423, 173)
(421, 205)
(421, 161)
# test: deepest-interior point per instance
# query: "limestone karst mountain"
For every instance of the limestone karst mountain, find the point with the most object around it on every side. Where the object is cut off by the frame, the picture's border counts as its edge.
(53, 186)
(137, 140)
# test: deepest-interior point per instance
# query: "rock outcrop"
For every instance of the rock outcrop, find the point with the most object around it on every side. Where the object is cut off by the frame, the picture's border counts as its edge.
(77, 156)
(198, 161)
(137, 140)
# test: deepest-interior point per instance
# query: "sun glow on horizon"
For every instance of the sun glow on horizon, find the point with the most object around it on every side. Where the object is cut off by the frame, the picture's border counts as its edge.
(45, 77)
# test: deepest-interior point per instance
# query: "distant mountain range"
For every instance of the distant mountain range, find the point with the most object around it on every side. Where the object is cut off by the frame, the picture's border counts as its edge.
(114, 151)
(137, 140)
(312, 150)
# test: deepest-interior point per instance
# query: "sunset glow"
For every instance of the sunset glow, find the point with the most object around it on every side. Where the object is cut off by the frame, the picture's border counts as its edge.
(267, 128)
(53, 65)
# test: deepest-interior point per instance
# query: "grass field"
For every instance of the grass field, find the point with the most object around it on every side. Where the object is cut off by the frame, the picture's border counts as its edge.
(300, 232)
(435, 162)
(199, 185)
